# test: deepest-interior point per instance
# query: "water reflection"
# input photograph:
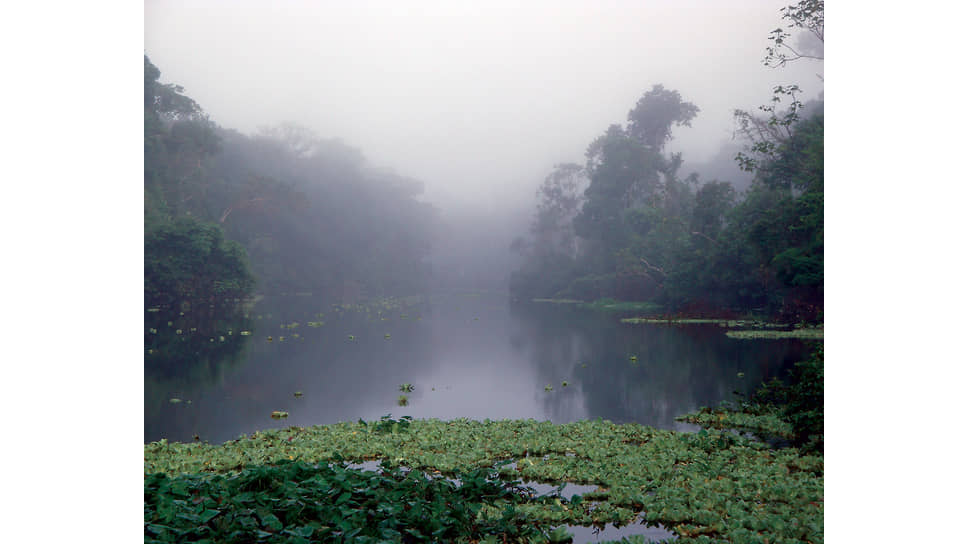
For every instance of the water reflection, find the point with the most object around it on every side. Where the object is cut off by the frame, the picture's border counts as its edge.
(466, 355)
(642, 373)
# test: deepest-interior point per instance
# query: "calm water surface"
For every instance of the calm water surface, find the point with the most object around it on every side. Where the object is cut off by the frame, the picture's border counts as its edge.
(467, 355)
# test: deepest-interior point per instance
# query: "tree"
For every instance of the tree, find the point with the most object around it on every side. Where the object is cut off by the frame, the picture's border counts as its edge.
(560, 199)
(190, 261)
(767, 134)
(653, 116)
(806, 15)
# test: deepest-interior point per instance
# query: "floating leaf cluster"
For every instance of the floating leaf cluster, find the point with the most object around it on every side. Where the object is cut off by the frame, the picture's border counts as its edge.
(710, 486)
(807, 333)
(303, 502)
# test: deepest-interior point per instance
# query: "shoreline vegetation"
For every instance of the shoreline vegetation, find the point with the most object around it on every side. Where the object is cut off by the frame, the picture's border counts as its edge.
(744, 329)
(754, 472)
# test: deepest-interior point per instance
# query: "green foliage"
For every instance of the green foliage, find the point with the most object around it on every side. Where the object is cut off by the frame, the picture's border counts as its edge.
(804, 407)
(710, 485)
(303, 502)
(309, 213)
(777, 410)
(187, 260)
(646, 234)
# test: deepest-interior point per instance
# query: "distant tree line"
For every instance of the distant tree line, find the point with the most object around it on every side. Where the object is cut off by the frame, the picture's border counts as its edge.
(628, 225)
(279, 211)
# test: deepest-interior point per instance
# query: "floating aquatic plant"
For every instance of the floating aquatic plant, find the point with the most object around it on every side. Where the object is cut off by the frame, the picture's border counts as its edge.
(633, 358)
(268, 339)
(804, 334)
(297, 394)
(402, 400)
(351, 337)
(710, 486)
(244, 333)
(279, 414)
(549, 388)
(386, 336)
(564, 384)
(406, 388)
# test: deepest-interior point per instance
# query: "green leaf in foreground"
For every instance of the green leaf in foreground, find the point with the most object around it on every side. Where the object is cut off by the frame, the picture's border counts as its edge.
(717, 485)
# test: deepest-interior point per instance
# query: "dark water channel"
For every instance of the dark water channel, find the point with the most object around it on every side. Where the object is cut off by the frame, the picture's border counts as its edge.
(466, 355)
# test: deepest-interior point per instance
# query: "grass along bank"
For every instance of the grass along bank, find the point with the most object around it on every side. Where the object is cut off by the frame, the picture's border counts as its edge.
(713, 484)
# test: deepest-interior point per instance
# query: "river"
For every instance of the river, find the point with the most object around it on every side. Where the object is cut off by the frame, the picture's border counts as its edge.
(472, 355)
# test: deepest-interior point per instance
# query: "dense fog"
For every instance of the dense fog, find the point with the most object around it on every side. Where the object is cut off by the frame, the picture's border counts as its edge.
(376, 148)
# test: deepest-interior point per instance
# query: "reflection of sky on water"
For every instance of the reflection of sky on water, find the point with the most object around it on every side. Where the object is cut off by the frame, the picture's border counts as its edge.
(472, 357)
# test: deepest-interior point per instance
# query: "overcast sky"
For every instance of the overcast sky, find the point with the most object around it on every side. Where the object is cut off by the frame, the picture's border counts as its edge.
(476, 99)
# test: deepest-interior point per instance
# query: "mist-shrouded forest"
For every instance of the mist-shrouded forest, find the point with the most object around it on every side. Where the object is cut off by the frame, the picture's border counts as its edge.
(471, 214)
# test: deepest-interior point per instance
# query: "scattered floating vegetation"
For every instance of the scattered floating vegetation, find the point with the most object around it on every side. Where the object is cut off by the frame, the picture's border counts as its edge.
(315, 324)
(406, 388)
(803, 333)
(174, 400)
(386, 336)
(612, 305)
(351, 337)
(243, 333)
(297, 394)
(268, 339)
(549, 388)
(633, 357)
(722, 322)
(557, 300)
(711, 486)
(279, 414)
(403, 400)
(564, 384)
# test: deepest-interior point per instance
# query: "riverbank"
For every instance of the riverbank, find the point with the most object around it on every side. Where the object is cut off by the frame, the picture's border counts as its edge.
(711, 484)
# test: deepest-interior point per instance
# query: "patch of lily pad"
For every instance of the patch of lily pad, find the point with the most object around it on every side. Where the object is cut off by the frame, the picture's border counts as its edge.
(709, 486)
(806, 333)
